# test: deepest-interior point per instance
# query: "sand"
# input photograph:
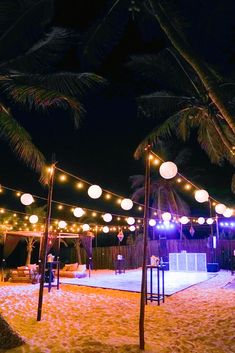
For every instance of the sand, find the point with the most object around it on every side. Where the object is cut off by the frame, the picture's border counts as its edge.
(200, 319)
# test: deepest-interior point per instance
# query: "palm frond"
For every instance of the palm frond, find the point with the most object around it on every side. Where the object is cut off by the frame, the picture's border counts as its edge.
(26, 27)
(9, 10)
(38, 98)
(42, 56)
(104, 34)
(161, 103)
(212, 145)
(68, 83)
(183, 157)
(165, 70)
(182, 206)
(165, 130)
(20, 141)
(136, 181)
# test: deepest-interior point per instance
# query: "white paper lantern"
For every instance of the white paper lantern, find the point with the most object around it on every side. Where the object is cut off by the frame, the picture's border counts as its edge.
(105, 229)
(166, 216)
(168, 170)
(62, 224)
(228, 212)
(220, 208)
(130, 220)
(85, 227)
(209, 221)
(107, 217)
(78, 212)
(152, 222)
(126, 204)
(201, 220)
(184, 220)
(132, 228)
(33, 219)
(26, 199)
(94, 191)
(201, 196)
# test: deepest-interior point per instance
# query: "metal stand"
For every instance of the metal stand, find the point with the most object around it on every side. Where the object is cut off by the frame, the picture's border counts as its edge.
(119, 266)
(156, 296)
(50, 270)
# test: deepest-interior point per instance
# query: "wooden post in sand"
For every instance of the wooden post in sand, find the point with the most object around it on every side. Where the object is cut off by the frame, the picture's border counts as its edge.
(43, 254)
(145, 242)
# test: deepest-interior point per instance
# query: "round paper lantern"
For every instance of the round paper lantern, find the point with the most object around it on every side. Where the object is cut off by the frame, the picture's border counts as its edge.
(94, 191)
(132, 228)
(201, 196)
(168, 170)
(33, 219)
(201, 220)
(130, 220)
(78, 212)
(62, 224)
(209, 221)
(228, 212)
(126, 204)
(184, 220)
(26, 199)
(166, 216)
(220, 208)
(152, 222)
(105, 229)
(107, 217)
(85, 227)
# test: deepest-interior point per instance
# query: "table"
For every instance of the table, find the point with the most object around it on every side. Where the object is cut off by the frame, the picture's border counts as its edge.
(49, 268)
(156, 296)
(119, 266)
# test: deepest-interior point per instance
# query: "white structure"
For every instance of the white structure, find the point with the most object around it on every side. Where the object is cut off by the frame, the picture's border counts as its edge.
(187, 261)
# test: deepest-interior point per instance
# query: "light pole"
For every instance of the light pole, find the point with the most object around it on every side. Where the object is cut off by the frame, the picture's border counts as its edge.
(145, 242)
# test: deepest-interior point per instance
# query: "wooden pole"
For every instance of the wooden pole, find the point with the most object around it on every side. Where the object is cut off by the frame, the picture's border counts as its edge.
(43, 253)
(145, 242)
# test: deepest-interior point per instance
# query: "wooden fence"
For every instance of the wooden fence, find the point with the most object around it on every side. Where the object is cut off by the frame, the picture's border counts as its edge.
(103, 257)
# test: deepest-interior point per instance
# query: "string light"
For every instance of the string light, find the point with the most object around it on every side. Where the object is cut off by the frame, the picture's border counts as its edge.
(62, 177)
(187, 187)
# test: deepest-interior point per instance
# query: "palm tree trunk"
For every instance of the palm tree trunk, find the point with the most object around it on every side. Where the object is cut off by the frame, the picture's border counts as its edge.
(29, 253)
(185, 50)
(30, 243)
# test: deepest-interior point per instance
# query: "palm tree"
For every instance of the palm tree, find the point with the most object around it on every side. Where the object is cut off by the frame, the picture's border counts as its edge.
(217, 95)
(29, 52)
(181, 104)
(206, 75)
(163, 194)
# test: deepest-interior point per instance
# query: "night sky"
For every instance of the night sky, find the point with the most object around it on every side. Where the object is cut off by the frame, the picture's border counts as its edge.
(101, 150)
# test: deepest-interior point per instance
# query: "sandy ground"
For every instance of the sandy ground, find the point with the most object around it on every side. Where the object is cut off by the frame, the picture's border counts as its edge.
(200, 319)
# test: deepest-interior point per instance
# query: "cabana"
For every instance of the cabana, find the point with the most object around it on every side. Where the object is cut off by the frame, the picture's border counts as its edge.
(12, 238)
(86, 241)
